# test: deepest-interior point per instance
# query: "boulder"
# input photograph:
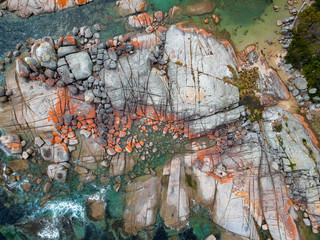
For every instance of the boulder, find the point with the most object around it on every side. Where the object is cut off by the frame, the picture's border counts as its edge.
(47, 187)
(22, 68)
(45, 54)
(18, 165)
(80, 65)
(120, 164)
(64, 51)
(142, 200)
(128, 7)
(26, 187)
(57, 172)
(95, 209)
(174, 208)
(11, 143)
(301, 83)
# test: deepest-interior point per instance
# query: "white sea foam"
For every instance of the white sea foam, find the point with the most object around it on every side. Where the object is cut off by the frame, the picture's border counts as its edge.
(59, 208)
(49, 232)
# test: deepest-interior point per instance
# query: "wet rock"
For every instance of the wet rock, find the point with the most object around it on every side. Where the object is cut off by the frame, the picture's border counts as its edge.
(174, 195)
(80, 65)
(87, 177)
(81, 170)
(57, 172)
(22, 68)
(11, 143)
(97, 27)
(211, 237)
(105, 164)
(47, 187)
(138, 214)
(26, 187)
(120, 164)
(117, 187)
(75, 31)
(8, 171)
(19, 165)
(95, 209)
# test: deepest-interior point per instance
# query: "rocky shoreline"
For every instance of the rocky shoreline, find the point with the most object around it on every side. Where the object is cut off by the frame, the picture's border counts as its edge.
(82, 105)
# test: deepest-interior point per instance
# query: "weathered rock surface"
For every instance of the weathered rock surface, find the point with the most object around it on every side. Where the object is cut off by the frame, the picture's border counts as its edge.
(248, 192)
(19, 165)
(57, 172)
(11, 143)
(127, 7)
(142, 199)
(25, 9)
(121, 164)
(45, 54)
(80, 64)
(293, 139)
(192, 71)
(56, 153)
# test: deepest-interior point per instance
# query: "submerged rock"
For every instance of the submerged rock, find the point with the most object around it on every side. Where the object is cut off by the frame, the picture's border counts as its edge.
(95, 209)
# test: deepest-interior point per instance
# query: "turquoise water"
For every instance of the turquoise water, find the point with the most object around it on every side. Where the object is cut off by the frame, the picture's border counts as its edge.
(65, 216)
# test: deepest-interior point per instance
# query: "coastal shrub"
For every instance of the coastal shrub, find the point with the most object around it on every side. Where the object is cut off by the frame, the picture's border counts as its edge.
(304, 50)
(246, 81)
(277, 127)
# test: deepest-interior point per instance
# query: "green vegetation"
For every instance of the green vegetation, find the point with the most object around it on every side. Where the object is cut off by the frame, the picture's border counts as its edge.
(304, 51)
(191, 182)
(277, 127)
(246, 82)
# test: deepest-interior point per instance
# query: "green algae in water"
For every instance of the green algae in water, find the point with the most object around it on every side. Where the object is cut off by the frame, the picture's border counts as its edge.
(163, 5)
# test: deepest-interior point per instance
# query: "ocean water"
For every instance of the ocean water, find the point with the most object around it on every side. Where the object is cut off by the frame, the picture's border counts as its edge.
(65, 217)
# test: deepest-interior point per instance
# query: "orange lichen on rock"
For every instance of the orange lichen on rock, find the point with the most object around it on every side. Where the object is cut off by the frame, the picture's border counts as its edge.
(311, 134)
(81, 2)
(62, 3)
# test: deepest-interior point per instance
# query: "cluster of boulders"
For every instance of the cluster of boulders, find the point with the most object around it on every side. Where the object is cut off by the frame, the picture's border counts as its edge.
(147, 22)
(10, 55)
(4, 94)
(298, 86)
(55, 153)
(286, 26)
